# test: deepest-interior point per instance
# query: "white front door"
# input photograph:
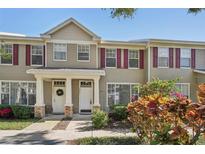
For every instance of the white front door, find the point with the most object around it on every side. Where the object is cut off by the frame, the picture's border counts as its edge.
(85, 96)
(59, 96)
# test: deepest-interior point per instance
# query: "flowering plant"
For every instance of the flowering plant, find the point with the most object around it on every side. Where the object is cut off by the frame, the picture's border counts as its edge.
(5, 112)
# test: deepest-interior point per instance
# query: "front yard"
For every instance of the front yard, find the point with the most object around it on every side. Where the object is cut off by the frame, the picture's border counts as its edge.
(15, 124)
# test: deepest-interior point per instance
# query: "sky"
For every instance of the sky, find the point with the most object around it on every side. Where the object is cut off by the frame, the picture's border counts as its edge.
(147, 23)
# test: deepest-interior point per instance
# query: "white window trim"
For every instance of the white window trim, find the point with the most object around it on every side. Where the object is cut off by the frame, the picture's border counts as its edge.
(115, 58)
(88, 53)
(181, 83)
(37, 54)
(122, 83)
(181, 57)
(63, 60)
(135, 68)
(158, 59)
(11, 54)
(15, 81)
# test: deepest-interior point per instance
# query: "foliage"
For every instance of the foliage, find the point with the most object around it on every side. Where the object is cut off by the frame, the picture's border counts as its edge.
(166, 119)
(118, 112)
(122, 12)
(108, 141)
(164, 87)
(3, 106)
(3, 53)
(129, 12)
(15, 124)
(22, 112)
(99, 119)
(195, 10)
(6, 113)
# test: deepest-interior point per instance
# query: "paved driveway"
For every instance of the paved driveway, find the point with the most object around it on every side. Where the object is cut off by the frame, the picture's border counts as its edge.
(42, 133)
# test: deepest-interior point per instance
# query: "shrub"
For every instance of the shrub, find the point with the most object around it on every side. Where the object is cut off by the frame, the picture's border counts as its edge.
(118, 112)
(99, 119)
(3, 106)
(5, 111)
(166, 119)
(22, 112)
(108, 141)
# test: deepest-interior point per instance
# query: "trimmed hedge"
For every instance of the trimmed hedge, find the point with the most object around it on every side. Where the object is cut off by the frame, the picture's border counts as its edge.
(3, 106)
(16, 111)
(118, 112)
(22, 112)
(109, 141)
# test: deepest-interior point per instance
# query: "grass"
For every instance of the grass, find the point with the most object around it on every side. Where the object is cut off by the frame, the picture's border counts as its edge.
(16, 124)
(107, 141)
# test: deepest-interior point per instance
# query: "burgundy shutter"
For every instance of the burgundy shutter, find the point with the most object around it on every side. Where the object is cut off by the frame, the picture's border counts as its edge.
(125, 58)
(102, 57)
(118, 58)
(15, 54)
(44, 55)
(155, 57)
(193, 58)
(177, 57)
(171, 64)
(28, 55)
(141, 59)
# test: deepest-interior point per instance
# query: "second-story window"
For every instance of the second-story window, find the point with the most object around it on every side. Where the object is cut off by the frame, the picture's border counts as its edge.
(133, 59)
(83, 52)
(6, 54)
(59, 52)
(110, 57)
(163, 57)
(36, 55)
(185, 58)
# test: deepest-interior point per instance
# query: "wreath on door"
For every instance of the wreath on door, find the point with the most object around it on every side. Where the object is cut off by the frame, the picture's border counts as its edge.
(59, 92)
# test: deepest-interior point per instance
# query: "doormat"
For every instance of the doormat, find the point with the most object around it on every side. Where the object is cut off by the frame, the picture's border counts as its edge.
(62, 125)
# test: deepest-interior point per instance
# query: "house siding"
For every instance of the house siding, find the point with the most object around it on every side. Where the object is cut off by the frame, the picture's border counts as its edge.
(71, 32)
(72, 61)
(17, 72)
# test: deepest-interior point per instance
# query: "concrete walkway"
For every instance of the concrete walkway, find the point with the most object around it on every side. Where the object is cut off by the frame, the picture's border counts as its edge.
(42, 133)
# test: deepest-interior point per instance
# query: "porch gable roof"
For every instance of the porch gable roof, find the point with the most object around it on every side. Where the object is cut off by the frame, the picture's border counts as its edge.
(66, 71)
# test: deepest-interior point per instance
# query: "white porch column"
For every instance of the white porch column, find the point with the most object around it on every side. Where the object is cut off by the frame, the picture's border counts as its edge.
(68, 109)
(96, 104)
(39, 92)
(39, 106)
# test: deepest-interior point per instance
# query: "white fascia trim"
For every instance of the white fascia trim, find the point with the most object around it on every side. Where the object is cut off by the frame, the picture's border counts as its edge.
(198, 71)
(21, 38)
(66, 72)
(122, 43)
(61, 25)
(121, 47)
(71, 41)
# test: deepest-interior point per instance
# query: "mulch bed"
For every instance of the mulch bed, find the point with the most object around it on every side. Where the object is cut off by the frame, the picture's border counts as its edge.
(62, 125)
(119, 124)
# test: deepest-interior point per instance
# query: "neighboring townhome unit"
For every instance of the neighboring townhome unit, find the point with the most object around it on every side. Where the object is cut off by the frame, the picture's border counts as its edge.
(70, 70)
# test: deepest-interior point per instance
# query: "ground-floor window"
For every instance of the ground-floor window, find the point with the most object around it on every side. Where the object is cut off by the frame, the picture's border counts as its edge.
(121, 93)
(184, 88)
(18, 92)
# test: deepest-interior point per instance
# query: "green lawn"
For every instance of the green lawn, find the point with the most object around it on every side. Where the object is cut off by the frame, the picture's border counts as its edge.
(15, 124)
(106, 141)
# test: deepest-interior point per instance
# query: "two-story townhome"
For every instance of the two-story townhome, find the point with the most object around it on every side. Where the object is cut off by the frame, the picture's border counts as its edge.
(69, 69)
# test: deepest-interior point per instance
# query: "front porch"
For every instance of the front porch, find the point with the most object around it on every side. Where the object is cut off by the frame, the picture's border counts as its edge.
(66, 91)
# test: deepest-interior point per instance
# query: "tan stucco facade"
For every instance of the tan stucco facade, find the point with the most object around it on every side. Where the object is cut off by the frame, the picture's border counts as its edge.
(72, 35)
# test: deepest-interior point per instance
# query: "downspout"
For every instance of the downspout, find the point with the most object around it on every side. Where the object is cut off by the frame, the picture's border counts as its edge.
(148, 62)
